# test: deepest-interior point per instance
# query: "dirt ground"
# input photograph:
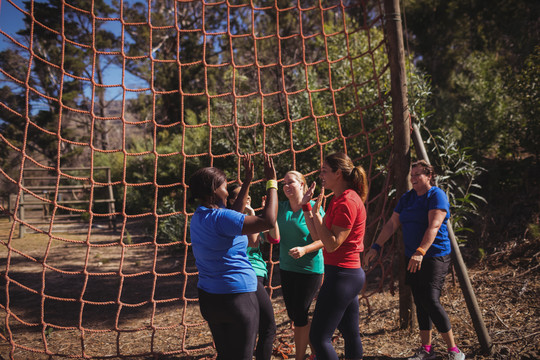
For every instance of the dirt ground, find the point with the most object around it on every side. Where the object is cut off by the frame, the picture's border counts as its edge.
(93, 283)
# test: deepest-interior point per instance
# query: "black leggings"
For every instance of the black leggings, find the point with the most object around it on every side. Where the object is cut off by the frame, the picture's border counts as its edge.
(426, 286)
(299, 290)
(233, 320)
(337, 307)
(267, 323)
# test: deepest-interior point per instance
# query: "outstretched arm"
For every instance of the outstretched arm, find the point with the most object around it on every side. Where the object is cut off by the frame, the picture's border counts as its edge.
(308, 214)
(267, 219)
(388, 229)
(243, 195)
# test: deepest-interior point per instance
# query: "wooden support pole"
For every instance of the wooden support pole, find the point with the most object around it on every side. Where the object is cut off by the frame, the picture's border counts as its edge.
(463, 276)
(401, 157)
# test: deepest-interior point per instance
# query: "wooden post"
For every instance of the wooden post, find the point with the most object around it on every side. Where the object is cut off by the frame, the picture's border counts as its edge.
(401, 157)
(461, 270)
(111, 206)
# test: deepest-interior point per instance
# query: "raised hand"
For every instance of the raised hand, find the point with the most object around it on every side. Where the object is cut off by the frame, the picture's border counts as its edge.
(269, 170)
(309, 194)
(315, 210)
(249, 168)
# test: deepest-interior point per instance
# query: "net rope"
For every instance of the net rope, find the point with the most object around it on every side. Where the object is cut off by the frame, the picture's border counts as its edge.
(96, 258)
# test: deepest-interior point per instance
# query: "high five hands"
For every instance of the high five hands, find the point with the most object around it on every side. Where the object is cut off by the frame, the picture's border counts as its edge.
(318, 202)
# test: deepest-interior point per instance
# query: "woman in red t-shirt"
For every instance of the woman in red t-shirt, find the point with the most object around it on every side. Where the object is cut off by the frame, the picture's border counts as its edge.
(342, 233)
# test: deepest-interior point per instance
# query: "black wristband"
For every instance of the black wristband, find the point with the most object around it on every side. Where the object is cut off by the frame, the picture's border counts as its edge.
(376, 247)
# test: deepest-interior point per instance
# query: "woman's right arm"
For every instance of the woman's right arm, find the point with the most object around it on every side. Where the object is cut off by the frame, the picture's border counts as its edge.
(308, 216)
(272, 235)
(388, 229)
(267, 219)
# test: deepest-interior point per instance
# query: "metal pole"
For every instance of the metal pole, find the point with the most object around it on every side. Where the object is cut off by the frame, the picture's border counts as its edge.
(461, 270)
(401, 157)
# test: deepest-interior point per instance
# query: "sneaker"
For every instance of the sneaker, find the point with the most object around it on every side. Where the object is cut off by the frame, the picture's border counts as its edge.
(456, 356)
(422, 354)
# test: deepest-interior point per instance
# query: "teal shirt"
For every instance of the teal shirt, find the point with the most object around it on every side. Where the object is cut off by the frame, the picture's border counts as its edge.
(294, 232)
(256, 259)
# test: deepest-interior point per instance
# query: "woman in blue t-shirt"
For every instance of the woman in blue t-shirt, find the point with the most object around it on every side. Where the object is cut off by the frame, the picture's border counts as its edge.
(227, 281)
(423, 213)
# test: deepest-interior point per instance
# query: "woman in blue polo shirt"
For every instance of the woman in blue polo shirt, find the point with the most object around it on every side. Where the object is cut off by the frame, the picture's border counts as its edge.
(423, 213)
(227, 281)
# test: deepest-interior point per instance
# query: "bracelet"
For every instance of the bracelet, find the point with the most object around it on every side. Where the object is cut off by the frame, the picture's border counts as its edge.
(376, 247)
(421, 251)
(307, 207)
(271, 184)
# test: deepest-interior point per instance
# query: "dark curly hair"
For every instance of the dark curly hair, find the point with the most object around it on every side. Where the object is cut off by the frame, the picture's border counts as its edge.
(204, 182)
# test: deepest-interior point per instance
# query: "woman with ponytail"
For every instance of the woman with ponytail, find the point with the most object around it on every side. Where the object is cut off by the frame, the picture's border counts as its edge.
(342, 234)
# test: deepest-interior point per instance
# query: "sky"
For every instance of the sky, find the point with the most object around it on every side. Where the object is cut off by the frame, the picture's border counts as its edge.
(11, 20)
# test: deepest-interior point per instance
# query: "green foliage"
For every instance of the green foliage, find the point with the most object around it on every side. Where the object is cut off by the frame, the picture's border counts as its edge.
(48, 331)
(534, 231)
(458, 172)
(143, 167)
(458, 176)
(171, 226)
(523, 124)
(482, 105)
(128, 240)
(483, 59)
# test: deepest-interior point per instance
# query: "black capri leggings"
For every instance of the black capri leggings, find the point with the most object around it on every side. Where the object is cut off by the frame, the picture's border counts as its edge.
(233, 320)
(426, 286)
(267, 323)
(299, 290)
(337, 307)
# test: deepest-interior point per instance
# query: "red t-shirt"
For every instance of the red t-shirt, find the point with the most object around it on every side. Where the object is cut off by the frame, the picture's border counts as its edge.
(347, 211)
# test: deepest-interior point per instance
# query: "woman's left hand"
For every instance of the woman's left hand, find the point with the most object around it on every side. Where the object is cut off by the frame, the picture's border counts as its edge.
(415, 263)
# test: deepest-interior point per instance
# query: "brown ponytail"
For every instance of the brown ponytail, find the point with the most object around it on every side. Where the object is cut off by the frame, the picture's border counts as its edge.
(359, 182)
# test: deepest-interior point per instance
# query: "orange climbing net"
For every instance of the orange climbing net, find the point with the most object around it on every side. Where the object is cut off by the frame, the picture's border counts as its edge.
(106, 110)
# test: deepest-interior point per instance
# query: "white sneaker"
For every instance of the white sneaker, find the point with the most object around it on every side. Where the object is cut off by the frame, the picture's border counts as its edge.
(422, 354)
(456, 356)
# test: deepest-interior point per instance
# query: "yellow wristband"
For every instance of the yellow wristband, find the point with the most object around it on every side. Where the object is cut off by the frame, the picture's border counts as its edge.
(421, 251)
(271, 184)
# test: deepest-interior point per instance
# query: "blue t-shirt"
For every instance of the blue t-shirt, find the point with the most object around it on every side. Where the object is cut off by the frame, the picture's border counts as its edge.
(413, 215)
(220, 251)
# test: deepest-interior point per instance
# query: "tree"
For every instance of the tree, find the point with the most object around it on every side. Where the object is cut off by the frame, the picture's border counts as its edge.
(473, 50)
(68, 50)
